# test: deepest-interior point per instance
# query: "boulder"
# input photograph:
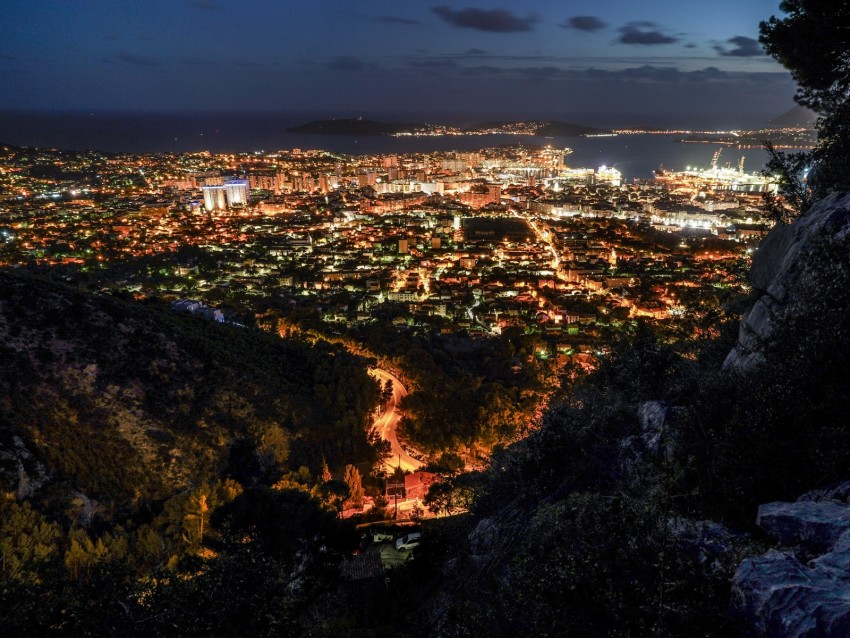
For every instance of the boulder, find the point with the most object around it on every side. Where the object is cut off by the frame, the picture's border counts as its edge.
(787, 594)
(809, 523)
(652, 440)
(653, 416)
(780, 597)
(839, 493)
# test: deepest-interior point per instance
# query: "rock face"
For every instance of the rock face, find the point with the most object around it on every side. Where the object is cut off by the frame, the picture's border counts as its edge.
(787, 593)
(776, 272)
(805, 522)
(652, 441)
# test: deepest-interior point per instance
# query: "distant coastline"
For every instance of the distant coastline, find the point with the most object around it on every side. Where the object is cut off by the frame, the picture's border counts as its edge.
(636, 154)
(365, 127)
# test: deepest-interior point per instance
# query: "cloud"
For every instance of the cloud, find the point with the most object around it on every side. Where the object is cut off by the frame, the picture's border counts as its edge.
(133, 59)
(673, 75)
(345, 63)
(588, 24)
(644, 34)
(643, 74)
(486, 69)
(492, 20)
(743, 47)
(396, 20)
(433, 63)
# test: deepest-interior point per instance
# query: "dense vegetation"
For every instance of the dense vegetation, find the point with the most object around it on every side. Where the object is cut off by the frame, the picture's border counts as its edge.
(466, 395)
(811, 41)
(133, 401)
(137, 447)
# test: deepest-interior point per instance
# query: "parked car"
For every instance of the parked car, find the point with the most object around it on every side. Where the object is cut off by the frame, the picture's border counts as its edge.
(379, 535)
(408, 541)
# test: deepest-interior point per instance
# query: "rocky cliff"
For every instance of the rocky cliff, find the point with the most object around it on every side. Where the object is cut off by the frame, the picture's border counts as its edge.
(801, 587)
(779, 273)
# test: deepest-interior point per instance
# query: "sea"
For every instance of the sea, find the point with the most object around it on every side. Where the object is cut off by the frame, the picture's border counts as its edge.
(635, 156)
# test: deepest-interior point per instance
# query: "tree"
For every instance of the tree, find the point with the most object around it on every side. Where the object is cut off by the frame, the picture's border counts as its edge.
(28, 542)
(452, 495)
(326, 473)
(812, 41)
(795, 195)
(355, 485)
(196, 518)
(334, 494)
(387, 392)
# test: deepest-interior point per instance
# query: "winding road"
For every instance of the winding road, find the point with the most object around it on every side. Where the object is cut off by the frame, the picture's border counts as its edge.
(387, 424)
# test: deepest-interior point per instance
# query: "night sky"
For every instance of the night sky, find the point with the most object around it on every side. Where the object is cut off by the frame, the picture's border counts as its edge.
(606, 63)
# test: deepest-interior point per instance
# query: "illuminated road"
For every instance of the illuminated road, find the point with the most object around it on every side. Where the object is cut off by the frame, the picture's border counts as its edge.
(387, 423)
(546, 238)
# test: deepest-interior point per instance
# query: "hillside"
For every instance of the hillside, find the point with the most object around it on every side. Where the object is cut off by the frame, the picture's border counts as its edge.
(629, 511)
(639, 498)
(127, 401)
(794, 117)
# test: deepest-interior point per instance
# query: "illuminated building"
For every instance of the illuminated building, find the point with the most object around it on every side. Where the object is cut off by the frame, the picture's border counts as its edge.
(717, 180)
(266, 181)
(215, 198)
(237, 192)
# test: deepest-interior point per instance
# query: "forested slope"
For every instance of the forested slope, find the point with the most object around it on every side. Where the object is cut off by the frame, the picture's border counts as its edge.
(128, 401)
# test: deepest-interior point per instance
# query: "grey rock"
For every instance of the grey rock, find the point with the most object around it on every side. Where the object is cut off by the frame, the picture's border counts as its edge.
(781, 597)
(775, 274)
(652, 440)
(839, 493)
(653, 417)
(85, 509)
(809, 523)
(768, 259)
(837, 559)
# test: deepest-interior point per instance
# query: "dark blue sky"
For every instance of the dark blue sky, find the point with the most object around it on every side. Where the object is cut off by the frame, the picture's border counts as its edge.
(619, 62)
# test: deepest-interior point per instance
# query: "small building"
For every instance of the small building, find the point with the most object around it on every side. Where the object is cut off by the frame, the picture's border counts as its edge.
(416, 485)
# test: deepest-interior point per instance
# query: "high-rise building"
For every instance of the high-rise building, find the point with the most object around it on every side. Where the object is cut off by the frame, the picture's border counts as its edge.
(237, 192)
(369, 178)
(265, 181)
(205, 178)
(324, 185)
(215, 198)
(233, 193)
